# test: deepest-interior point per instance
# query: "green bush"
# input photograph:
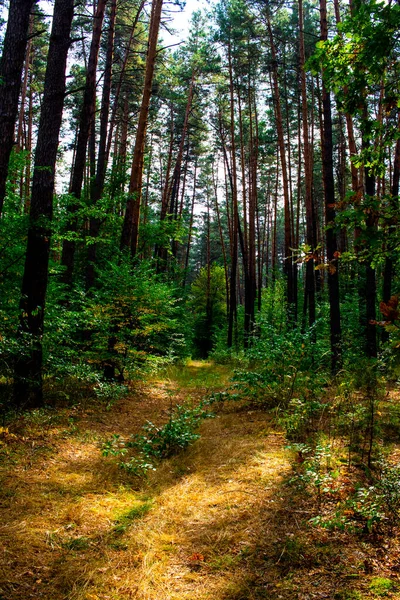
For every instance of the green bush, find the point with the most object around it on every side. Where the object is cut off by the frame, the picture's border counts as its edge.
(156, 443)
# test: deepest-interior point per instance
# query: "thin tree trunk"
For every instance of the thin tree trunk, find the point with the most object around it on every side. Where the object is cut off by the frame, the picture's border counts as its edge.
(25, 81)
(371, 341)
(310, 221)
(27, 186)
(130, 230)
(176, 176)
(98, 184)
(221, 237)
(288, 262)
(329, 189)
(235, 215)
(371, 222)
(120, 81)
(85, 121)
(189, 241)
(250, 291)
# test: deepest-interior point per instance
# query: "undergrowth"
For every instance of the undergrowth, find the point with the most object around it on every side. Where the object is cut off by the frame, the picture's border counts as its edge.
(340, 429)
(154, 443)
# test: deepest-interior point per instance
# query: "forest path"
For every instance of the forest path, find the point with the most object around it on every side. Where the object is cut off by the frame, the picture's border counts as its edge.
(216, 522)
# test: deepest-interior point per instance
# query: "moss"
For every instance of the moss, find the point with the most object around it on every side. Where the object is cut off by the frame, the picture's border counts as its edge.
(136, 512)
(380, 586)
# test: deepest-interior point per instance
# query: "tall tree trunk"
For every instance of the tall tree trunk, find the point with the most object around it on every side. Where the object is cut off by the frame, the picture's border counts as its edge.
(274, 250)
(120, 81)
(172, 183)
(250, 291)
(189, 241)
(28, 368)
(329, 190)
(130, 229)
(25, 81)
(221, 237)
(98, 184)
(11, 66)
(310, 220)
(28, 148)
(288, 244)
(371, 347)
(86, 118)
(176, 175)
(235, 214)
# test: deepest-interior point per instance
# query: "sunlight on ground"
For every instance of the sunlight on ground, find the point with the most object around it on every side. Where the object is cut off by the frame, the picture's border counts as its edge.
(76, 527)
(217, 522)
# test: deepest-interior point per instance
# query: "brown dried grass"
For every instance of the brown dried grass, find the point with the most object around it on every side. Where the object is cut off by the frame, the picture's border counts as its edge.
(218, 522)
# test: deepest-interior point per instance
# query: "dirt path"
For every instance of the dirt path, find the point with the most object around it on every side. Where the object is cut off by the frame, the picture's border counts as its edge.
(217, 522)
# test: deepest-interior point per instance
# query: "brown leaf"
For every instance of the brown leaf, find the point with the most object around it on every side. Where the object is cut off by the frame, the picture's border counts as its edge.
(197, 557)
(390, 309)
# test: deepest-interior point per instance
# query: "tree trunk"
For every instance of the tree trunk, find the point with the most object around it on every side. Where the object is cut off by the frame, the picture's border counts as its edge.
(235, 215)
(11, 66)
(310, 221)
(120, 81)
(370, 290)
(251, 287)
(288, 262)
(221, 237)
(130, 229)
(98, 184)
(329, 190)
(371, 341)
(28, 368)
(189, 241)
(85, 121)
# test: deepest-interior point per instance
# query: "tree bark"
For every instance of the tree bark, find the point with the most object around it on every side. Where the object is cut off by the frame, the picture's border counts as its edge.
(310, 220)
(288, 261)
(329, 191)
(98, 184)
(235, 214)
(85, 121)
(28, 368)
(130, 229)
(120, 81)
(394, 204)
(11, 66)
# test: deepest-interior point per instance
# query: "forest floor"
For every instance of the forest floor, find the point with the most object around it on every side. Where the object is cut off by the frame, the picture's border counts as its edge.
(219, 521)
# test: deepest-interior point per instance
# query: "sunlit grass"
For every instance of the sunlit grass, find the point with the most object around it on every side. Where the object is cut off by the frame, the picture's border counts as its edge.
(216, 522)
(196, 375)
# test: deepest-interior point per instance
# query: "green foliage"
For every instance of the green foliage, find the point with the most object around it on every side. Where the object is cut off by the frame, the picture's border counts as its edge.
(315, 471)
(140, 312)
(368, 508)
(286, 367)
(156, 443)
(389, 488)
(356, 59)
(77, 544)
(348, 595)
(208, 303)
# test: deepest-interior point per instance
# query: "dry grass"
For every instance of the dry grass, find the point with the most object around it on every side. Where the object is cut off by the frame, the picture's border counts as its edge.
(218, 522)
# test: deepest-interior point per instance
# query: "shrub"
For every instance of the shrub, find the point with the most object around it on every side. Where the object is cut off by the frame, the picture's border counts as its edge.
(156, 443)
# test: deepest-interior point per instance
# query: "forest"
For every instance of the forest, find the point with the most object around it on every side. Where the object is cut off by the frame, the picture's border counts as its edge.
(199, 314)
